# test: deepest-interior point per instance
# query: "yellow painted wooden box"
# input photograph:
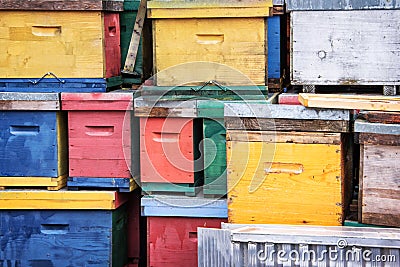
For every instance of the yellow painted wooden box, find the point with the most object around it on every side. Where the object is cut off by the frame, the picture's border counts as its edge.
(70, 44)
(232, 33)
(288, 177)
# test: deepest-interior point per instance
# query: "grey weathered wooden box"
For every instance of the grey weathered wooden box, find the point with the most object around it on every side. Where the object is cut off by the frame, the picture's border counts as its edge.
(358, 47)
(379, 189)
(341, 4)
(278, 245)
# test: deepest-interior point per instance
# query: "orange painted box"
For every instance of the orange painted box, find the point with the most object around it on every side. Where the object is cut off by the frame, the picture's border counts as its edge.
(168, 150)
(99, 137)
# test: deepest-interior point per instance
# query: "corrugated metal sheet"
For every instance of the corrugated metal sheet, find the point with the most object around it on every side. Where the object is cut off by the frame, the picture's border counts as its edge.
(276, 245)
(341, 4)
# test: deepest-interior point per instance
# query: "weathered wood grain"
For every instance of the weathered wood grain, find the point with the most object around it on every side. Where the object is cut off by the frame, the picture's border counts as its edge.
(28, 182)
(62, 238)
(235, 46)
(62, 199)
(381, 117)
(259, 110)
(267, 180)
(341, 101)
(236, 123)
(214, 149)
(379, 139)
(284, 137)
(292, 5)
(380, 185)
(155, 107)
(361, 126)
(29, 101)
(209, 9)
(133, 52)
(34, 138)
(183, 206)
(340, 51)
(97, 101)
(119, 184)
(62, 5)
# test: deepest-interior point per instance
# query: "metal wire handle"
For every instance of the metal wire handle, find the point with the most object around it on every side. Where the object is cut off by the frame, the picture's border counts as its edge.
(47, 74)
(213, 82)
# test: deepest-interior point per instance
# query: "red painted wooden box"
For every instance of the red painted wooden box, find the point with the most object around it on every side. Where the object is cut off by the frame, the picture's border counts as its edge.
(99, 129)
(167, 150)
(172, 241)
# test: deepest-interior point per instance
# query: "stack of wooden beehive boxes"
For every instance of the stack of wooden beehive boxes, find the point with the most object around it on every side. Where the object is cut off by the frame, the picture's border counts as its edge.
(59, 126)
(205, 54)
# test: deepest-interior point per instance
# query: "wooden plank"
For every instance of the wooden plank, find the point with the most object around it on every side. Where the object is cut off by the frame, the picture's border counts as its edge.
(135, 39)
(175, 188)
(52, 85)
(217, 12)
(340, 52)
(33, 181)
(236, 123)
(273, 177)
(381, 117)
(379, 139)
(289, 99)
(62, 5)
(155, 107)
(97, 101)
(235, 46)
(340, 101)
(120, 184)
(283, 137)
(62, 199)
(29, 101)
(183, 206)
(244, 109)
(361, 126)
(380, 185)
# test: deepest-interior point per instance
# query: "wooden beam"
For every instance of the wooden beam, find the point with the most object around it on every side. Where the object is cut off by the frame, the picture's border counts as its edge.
(29, 101)
(379, 139)
(361, 126)
(381, 117)
(236, 123)
(295, 112)
(341, 101)
(135, 40)
(94, 5)
(284, 137)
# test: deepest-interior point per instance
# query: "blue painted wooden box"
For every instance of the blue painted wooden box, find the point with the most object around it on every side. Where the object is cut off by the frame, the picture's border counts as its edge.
(50, 238)
(33, 140)
(274, 53)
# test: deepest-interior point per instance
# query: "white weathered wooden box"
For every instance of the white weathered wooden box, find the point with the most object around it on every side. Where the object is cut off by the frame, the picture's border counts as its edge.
(358, 47)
